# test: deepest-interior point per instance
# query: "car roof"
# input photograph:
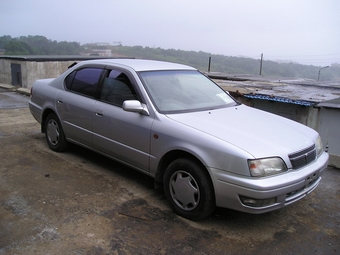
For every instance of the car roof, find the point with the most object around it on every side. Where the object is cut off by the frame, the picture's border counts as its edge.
(141, 64)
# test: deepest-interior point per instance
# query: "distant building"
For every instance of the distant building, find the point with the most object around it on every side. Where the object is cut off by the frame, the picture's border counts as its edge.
(97, 49)
(97, 52)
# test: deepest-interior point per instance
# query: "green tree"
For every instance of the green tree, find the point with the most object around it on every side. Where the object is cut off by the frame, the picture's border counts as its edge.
(4, 40)
(18, 48)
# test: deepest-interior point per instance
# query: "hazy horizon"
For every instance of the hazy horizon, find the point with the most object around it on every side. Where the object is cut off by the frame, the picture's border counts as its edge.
(304, 31)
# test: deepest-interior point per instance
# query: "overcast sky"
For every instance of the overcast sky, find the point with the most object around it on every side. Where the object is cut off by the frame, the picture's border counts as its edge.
(305, 31)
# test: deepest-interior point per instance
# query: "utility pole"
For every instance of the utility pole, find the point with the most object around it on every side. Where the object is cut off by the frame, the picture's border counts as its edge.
(320, 70)
(261, 64)
(209, 64)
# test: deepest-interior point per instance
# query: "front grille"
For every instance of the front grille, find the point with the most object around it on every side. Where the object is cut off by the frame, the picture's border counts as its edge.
(312, 181)
(303, 158)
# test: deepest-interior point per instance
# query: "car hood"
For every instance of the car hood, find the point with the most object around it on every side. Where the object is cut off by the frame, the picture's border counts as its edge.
(257, 132)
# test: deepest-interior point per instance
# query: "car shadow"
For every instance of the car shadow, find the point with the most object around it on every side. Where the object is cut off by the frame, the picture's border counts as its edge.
(112, 166)
(116, 169)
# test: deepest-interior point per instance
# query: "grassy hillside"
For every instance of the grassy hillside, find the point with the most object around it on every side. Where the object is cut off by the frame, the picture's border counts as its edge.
(230, 65)
(40, 45)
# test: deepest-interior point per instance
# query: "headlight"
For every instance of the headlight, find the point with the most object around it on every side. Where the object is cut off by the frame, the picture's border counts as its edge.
(266, 167)
(319, 146)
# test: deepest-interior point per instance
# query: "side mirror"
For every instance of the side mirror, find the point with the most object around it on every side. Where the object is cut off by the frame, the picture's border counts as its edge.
(135, 106)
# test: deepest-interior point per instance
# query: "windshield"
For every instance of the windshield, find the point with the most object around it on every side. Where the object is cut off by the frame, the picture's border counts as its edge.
(181, 91)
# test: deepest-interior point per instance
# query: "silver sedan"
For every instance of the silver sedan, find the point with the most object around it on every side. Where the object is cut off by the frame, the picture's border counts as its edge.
(173, 123)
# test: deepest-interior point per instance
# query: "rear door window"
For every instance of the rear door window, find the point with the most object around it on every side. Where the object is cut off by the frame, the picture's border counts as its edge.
(84, 81)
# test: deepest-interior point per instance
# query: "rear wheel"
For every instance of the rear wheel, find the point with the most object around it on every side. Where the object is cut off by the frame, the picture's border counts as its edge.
(54, 133)
(188, 187)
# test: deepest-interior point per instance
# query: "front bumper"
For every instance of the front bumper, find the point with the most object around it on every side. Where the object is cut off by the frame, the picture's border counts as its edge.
(284, 188)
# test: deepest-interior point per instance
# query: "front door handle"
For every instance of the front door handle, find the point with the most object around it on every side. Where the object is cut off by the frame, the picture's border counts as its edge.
(98, 112)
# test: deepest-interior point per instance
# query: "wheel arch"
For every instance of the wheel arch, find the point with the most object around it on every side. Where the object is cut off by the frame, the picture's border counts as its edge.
(43, 118)
(170, 157)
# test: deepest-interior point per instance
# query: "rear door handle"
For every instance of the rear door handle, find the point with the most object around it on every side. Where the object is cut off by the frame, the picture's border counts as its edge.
(99, 114)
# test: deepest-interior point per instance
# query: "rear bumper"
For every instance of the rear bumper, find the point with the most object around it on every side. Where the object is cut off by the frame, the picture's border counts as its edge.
(282, 189)
(35, 110)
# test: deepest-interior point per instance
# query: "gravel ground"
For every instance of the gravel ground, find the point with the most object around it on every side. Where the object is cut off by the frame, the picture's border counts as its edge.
(79, 202)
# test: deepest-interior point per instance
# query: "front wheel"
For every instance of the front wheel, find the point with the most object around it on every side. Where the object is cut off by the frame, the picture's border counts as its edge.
(54, 133)
(188, 187)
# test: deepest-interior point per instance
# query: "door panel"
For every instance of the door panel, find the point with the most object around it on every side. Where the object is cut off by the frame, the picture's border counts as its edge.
(75, 105)
(76, 113)
(122, 135)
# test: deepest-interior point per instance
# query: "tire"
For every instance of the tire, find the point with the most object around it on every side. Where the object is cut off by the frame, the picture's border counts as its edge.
(188, 188)
(54, 134)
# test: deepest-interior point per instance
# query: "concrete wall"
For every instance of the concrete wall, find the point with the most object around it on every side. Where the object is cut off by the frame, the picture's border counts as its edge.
(330, 132)
(40, 70)
(32, 70)
(5, 71)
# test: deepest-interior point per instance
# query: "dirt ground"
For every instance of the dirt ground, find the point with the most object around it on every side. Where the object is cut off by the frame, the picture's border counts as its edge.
(79, 202)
